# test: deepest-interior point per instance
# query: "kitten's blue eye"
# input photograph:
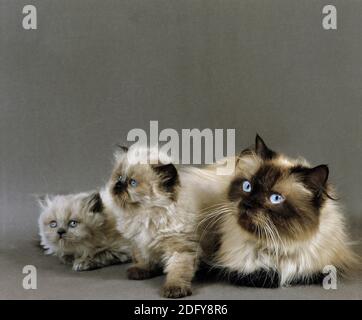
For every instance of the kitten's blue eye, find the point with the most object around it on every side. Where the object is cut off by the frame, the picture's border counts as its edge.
(53, 224)
(73, 223)
(276, 198)
(246, 186)
(133, 183)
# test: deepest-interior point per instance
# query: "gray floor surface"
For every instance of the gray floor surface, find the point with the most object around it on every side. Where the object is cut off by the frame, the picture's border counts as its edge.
(58, 281)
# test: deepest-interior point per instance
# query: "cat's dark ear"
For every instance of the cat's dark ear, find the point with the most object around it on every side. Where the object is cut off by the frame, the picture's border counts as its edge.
(122, 148)
(120, 151)
(168, 174)
(262, 150)
(95, 203)
(315, 178)
(318, 176)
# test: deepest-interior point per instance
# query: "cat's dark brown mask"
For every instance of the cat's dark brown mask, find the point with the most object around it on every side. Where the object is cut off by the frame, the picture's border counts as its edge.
(133, 184)
(277, 195)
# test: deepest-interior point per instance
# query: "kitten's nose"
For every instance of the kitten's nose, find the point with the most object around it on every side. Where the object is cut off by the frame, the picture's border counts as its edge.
(120, 186)
(61, 231)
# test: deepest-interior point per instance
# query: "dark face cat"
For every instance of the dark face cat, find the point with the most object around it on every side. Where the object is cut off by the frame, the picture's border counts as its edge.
(277, 195)
(134, 184)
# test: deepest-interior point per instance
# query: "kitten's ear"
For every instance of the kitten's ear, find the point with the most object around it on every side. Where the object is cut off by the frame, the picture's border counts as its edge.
(120, 151)
(122, 148)
(262, 150)
(95, 203)
(168, 174)
(43, 200)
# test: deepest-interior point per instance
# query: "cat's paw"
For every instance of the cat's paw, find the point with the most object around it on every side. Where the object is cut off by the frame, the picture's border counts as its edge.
(137, 273)
(176, 291)
(82, 265)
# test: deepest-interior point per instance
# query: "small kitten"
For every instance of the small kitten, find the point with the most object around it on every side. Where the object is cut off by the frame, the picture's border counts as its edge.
(279, 223)
(155, 213)
(78, 230)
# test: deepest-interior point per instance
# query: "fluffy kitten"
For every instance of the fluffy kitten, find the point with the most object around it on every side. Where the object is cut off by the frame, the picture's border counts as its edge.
(78, 230)
(154, 212)
(279, 223)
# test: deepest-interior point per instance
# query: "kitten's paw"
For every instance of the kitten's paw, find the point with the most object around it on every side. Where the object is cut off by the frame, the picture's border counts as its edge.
(136, 273)
(176, 291)
(82, 265)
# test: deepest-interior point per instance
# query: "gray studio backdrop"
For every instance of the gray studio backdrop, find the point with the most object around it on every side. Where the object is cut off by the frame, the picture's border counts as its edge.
(93, 70)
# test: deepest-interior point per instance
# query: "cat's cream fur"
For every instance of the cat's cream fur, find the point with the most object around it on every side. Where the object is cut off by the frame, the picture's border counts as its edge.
(94, 242)
(241, 252)
(171, 229)
(299, 258)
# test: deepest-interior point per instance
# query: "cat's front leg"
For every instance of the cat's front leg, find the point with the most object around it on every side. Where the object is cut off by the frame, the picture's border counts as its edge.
(311, 279)
(99, 260)
(109, 257)
(67, 259)
(83, 264)
(258, 279)
(142, 268)
(180, 270)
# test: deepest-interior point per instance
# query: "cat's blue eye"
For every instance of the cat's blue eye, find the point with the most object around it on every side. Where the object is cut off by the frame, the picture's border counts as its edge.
(276, 198)
(73, 223)
(246, 186)
(53, 224)
(133, 183)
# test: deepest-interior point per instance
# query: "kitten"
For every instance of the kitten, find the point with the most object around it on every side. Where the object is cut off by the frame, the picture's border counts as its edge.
(154, 212)
(279, 223)
(78, 230)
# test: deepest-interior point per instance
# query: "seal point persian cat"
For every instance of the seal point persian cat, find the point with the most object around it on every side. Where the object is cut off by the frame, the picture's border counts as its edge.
(279, 223)
(156, 215)
(78, 230)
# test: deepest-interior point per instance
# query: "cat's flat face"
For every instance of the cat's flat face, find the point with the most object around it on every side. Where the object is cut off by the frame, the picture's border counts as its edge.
(274, 196)
(133, 185)
(68, 220)
(142, 184)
